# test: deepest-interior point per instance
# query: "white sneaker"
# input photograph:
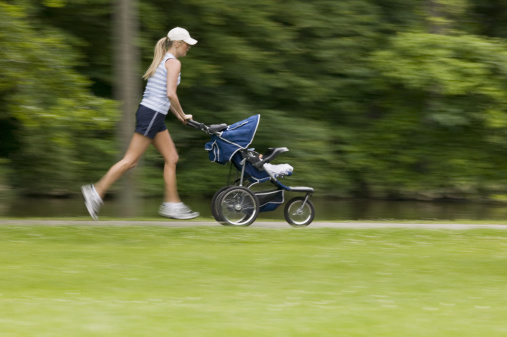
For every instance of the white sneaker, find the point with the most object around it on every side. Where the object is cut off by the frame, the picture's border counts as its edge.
(182, 212)
(92, 201)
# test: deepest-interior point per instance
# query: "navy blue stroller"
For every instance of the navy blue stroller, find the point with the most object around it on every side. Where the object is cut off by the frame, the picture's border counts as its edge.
(237, 204)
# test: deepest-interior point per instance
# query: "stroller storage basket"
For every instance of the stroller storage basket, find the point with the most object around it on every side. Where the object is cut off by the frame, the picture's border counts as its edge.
(270, 200)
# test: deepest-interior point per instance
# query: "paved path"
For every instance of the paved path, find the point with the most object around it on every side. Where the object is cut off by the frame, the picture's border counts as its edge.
(259, 224)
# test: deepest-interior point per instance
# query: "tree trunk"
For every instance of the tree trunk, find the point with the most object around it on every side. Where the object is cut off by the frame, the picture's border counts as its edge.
(127, 90)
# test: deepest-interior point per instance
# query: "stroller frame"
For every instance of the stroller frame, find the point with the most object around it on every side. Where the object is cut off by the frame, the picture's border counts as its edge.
(252, 157)
(238, 205)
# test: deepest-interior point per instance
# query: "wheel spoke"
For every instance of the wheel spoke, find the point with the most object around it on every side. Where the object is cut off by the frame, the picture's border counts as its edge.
(238, 206)
(299, 212)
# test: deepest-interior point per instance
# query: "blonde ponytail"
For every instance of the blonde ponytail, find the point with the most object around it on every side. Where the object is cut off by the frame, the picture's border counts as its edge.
(160, 49)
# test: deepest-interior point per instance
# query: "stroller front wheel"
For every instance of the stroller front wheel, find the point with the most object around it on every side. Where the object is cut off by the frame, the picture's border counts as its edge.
(298, 213)
(237, 206)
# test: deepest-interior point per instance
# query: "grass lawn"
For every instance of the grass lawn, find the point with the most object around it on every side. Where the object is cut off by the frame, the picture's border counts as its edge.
(219, 281)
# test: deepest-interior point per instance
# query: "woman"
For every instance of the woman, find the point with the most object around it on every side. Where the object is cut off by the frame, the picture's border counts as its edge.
(159, 96)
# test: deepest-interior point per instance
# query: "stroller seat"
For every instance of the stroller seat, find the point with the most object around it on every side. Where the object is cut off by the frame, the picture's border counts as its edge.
(258, 167)
(270, 155)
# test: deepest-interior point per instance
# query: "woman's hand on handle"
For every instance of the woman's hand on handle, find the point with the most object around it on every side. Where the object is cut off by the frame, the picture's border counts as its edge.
(186, 118)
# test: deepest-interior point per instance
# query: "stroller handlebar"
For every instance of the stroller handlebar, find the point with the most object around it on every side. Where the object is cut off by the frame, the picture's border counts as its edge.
(211, 129)
(196, 125)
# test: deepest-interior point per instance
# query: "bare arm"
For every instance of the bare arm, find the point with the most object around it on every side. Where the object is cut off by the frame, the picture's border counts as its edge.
(173, 67)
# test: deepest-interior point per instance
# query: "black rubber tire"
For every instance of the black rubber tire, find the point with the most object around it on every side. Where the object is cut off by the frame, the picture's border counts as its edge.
(296, 217)
(214, 203)
(237, 206)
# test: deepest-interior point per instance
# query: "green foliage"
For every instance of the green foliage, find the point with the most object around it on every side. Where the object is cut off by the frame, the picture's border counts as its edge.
(48, 102)
(5, 191)
(442, 122)
(367, 100)
(490, 17)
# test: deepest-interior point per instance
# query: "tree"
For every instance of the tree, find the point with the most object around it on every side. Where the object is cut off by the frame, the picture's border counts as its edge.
(455, 144)
(46, 105)
(127, 88)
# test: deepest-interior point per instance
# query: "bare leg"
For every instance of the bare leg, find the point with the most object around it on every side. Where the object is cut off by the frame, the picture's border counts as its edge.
(165, 145)
(138, 145)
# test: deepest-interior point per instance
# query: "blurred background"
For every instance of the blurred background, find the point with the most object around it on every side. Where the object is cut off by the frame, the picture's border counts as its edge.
(384, 104)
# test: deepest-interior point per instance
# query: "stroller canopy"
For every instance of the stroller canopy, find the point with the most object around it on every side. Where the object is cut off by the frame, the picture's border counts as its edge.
(237, 136)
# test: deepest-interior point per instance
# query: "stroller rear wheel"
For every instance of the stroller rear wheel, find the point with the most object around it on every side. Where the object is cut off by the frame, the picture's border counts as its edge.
(237, 206)
(214, 203)
(298, 213)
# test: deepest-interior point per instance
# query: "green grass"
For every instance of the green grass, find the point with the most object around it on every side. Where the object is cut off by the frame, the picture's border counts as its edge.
(219, 281)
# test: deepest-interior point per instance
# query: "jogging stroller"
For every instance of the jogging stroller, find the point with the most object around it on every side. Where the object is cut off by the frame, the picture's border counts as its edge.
(238, 204)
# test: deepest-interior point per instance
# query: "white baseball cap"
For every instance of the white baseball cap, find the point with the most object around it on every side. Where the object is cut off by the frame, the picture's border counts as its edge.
(181, 34)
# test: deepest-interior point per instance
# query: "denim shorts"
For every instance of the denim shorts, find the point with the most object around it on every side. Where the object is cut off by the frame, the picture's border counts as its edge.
(149, 122)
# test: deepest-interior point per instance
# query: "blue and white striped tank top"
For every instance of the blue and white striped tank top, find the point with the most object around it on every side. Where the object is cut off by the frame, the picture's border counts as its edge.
(155, 94)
